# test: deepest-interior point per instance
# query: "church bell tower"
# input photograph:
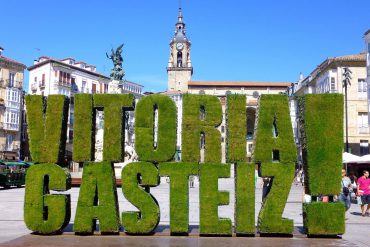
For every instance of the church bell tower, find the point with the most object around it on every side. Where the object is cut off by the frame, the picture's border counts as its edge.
(179, 68)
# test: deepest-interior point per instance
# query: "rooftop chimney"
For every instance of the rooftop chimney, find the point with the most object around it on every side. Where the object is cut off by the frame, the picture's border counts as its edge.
(300, 77)
(1, 50)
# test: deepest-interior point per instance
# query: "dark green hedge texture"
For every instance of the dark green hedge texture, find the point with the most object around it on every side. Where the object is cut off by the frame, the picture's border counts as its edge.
(46, 213)
(144, 128)
(274, 113)
(211, 198)
(84, 128)
(236, 128)
(97, 200)
(193, 126)
(244, 199)
(138, 177)
(321, 218)
(47, 127)
(114, 106)
(179, 194)
(321, 119)
(270, 219)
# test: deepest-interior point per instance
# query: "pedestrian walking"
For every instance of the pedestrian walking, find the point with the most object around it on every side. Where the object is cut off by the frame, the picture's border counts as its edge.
(191, 181)
(345, 194)
(363, 190)
(266, 186)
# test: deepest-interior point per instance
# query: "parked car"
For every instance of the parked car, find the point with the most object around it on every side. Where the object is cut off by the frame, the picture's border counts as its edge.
(13, 173)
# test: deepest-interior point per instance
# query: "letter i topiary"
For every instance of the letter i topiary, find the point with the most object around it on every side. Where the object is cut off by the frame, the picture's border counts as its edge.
(244, 199)
(236, 128)
(275, 150)
(83, 147)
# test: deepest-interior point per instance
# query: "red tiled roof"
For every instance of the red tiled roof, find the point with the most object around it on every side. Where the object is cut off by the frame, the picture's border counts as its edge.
(238, 84)
(12, 61)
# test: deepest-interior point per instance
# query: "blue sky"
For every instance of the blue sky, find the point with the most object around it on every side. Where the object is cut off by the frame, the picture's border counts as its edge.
(234, 40)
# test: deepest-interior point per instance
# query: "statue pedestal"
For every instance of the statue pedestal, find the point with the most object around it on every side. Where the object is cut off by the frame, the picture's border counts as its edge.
(115, 86)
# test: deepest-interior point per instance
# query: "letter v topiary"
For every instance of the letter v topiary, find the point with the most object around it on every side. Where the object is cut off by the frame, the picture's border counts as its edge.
(47, 127)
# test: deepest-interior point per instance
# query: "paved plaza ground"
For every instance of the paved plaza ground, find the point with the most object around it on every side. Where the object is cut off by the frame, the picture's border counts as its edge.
(13, 231)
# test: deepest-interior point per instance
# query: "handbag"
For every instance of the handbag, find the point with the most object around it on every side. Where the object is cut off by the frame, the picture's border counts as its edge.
(345, 190)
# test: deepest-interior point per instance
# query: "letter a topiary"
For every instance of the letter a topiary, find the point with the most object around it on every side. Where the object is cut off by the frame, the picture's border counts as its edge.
(97, 200)
(201, 115)
(83, 147)
(46, 213)
(139, 176)
(211, 198)
(236, 131)
(275, 150)
(144, 128)
(179, 194)
(321, 122)
(114, 106)
(47, 127)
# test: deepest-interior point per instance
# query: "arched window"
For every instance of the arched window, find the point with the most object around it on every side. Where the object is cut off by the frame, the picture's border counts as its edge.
(179, 59)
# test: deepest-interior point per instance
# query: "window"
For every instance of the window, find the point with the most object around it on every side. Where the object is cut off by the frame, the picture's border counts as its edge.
(332, 84)
(362, 85)
(35, 79)
(93, 90)
(363, 122)
(364, 147)
(83, 87)
(11, 79)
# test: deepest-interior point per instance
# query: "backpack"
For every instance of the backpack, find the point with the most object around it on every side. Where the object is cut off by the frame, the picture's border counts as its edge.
(345, 190)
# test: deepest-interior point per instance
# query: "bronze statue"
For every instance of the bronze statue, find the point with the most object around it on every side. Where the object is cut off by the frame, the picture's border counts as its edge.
(116, 56)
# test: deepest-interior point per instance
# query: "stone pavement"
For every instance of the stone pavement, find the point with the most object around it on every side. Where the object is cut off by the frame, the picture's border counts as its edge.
(13, 227)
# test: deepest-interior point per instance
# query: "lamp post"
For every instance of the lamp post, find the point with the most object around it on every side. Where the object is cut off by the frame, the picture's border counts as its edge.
(346, 81)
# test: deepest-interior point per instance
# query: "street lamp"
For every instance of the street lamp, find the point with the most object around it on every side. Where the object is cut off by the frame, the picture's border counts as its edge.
(346, 81)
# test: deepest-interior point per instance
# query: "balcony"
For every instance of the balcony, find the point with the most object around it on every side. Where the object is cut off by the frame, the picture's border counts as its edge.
(34, 87)
(62, 84)
(9, 126)
(10, 148)
(2, 83)
(13, 104)
(363, 129)
(42, 85)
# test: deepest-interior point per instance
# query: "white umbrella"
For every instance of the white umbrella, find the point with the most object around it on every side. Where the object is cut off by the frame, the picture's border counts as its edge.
(351, 158)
